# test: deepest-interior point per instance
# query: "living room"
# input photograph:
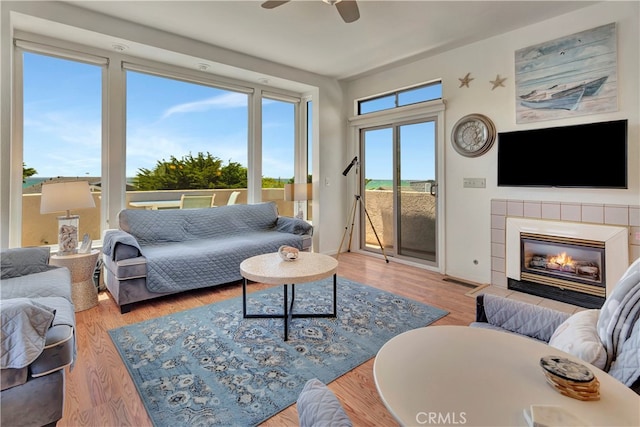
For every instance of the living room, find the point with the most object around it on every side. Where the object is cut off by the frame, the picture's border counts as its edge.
(468, 250)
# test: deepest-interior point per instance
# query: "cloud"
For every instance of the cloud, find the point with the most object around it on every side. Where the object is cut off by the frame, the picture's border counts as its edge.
(228, 100)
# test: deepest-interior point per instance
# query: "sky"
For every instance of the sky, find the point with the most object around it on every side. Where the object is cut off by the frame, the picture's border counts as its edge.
(165, 117)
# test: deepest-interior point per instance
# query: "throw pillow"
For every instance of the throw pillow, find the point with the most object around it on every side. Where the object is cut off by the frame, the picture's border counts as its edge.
(319, 407)
(578, 336)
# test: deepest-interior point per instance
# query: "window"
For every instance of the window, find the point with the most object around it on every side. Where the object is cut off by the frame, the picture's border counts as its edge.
(401, 98)
(62, 139)
(278, 151)
(184, 132)
(184, 137)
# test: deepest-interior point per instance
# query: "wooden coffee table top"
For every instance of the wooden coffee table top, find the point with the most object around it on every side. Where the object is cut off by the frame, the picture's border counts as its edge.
(273, 270)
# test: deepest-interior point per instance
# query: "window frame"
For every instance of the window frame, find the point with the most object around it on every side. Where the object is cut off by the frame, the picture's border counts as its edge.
(396, 95)
(22, 46)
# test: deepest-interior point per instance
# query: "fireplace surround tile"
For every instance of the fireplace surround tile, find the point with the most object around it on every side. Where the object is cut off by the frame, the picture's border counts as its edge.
(634, 216)
(593, 214)
(497, 264)
(497, 250)
(570, 212)
(497, 235)
(533, 209)
(616, 215)
(499, 207)
(550, 210)
(499, 279)
(497, 222)
(515, 208)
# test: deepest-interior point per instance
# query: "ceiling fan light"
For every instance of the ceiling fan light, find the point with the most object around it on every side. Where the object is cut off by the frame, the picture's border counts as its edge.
(331, 2)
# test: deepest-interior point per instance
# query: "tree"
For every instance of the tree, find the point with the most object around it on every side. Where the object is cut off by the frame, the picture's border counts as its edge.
(27, 172)
(189, 172)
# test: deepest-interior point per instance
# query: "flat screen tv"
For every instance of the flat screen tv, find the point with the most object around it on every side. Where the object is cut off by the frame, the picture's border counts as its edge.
(592, 155)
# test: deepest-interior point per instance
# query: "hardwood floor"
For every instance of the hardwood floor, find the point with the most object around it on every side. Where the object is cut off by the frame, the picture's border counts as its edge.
(99, 391)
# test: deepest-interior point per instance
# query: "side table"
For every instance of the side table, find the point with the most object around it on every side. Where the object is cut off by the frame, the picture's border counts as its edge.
(82, 267)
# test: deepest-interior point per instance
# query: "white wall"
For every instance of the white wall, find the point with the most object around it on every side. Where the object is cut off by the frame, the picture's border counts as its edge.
(467, 217)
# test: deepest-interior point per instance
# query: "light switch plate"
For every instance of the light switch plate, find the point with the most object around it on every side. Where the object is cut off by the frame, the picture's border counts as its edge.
(474, 182)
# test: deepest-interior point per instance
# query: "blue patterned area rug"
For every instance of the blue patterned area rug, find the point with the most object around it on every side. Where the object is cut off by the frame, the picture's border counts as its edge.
(209, 366)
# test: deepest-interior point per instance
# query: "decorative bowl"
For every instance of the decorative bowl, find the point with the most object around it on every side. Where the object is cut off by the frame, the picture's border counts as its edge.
(288, 253)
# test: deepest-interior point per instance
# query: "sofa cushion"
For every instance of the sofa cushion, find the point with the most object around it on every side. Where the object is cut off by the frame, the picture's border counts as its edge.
(620, 312)
(178, 225)
(578, 336)
(22, 261)
(194, 264)
(54, 282)
(319, 407)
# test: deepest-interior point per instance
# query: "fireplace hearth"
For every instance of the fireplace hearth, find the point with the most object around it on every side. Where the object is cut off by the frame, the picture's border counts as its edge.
(556, 293)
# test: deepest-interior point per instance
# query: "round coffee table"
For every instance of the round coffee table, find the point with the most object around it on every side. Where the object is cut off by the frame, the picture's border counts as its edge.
(273, 270)
(479, 377)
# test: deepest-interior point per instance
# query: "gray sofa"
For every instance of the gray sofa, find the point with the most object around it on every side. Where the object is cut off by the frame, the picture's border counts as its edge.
(608, 338)
(38, 337)
(162, 252)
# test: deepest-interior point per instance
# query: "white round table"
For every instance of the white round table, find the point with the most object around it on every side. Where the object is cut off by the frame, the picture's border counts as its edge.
(273, 270)
(447, 375)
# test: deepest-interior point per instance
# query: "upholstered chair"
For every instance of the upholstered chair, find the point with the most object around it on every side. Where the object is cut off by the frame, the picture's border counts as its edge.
(608, 338)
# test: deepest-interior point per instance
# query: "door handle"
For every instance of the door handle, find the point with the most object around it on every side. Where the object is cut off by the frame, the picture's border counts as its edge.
(432, 190)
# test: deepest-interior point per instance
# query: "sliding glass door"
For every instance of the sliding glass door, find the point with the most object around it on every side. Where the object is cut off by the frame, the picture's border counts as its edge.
(399, 190)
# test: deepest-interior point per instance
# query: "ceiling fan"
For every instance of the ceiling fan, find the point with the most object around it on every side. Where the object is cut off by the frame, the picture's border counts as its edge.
(348, 9)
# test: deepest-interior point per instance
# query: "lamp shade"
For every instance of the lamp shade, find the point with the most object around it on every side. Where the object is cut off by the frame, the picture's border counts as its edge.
(64, 196)
(297, 192)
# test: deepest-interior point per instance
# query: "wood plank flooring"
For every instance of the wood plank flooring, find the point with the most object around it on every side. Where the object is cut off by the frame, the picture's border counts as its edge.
(99, 391)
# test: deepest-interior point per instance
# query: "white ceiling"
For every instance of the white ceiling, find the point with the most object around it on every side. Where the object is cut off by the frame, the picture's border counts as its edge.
(310, 35)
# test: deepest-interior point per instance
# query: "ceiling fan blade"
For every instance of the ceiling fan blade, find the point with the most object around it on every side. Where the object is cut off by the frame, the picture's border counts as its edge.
(348, 10)
(270, 4)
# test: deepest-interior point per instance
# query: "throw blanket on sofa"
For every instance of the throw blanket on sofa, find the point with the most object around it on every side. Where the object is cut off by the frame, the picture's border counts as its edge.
(189, 249)
(24, 326)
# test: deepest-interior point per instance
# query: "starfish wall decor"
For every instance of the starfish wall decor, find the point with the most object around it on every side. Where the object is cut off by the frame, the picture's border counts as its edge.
(465, 80)
(497, 82)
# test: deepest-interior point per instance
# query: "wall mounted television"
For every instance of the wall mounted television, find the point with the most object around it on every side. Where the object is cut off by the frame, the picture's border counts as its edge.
(592, 155)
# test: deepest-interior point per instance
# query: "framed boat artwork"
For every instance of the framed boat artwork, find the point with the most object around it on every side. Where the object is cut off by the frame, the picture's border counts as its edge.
(567, 77)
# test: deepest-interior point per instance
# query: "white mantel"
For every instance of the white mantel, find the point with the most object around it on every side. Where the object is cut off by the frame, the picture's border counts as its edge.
(614, 238)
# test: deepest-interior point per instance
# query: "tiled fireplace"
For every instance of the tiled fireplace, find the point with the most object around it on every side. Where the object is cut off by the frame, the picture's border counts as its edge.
(569, 262)
(560, 230)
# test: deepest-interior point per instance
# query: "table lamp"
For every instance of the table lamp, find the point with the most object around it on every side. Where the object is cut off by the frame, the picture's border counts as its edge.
(298, 193)
(64, 196)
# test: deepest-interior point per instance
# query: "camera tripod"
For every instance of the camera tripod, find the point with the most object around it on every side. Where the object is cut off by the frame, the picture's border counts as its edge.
(358, 202)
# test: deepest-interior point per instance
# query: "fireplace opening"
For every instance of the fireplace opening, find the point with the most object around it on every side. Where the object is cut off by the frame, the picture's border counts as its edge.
(565, 269)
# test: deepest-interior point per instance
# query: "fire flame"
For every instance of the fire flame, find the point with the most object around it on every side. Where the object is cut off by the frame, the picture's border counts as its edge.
(562, 259)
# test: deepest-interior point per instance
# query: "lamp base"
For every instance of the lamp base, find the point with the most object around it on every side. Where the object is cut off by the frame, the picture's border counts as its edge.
(68, 234)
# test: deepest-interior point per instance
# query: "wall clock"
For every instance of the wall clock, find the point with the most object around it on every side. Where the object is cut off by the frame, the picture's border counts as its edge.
(473, 135)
